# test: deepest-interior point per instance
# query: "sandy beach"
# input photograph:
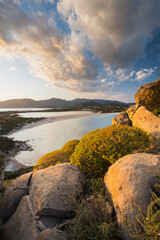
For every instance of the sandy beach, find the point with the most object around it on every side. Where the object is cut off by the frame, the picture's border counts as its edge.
(12, 164)
(54, 119)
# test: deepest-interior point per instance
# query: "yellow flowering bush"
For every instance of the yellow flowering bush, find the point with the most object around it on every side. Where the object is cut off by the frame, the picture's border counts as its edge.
(99, 149)
(57, 156)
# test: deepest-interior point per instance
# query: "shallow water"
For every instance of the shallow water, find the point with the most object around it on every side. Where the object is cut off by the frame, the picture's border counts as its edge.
(51, 136)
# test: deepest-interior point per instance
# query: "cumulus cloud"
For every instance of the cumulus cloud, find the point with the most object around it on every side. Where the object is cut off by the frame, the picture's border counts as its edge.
(51, 56)
(44, 1)
(123, 75)
(144, 73)
(120, 74)
(27, 35)
(71, 69)
(113, 31)
(12, 68)
(117, 30)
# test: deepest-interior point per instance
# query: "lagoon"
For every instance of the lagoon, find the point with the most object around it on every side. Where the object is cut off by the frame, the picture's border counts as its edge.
(51, 136)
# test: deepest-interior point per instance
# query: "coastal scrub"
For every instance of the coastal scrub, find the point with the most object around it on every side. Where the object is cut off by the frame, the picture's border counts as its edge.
(99, 149)
(58, 156)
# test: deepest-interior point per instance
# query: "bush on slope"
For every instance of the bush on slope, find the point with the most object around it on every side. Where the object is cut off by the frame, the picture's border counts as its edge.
(99, 149)
(57, 156)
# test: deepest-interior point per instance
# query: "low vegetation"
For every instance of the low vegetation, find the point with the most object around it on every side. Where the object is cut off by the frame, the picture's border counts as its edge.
(93, 220)
(10, 121)
(6, 144)
(149, 223)
(57, 156)
(14, 174)
(156, 112)
(95, 152)
(149, 96)
(99, 149)
(2, 162)
(104, 108)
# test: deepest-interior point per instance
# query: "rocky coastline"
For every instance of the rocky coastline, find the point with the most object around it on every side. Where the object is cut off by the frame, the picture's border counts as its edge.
(41, 204)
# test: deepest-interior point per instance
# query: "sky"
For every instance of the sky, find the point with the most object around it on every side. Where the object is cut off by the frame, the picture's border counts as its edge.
(68, 49)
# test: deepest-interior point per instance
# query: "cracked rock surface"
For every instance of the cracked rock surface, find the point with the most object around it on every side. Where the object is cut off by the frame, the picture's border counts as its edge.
(129, 182)
(38, 202)
(13, 195)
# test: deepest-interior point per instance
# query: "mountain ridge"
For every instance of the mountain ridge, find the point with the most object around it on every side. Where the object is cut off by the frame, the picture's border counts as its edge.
(53, 103)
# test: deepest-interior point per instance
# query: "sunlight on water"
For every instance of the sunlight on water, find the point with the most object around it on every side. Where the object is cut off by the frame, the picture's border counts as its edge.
(48, 137)
(51, 114)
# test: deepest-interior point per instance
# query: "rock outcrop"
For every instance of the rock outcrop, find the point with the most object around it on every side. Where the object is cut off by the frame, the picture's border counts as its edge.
(129, 182)
(148, 95)
(13, 195)
(52, 189)
(22, 224)
(49, 193)
(121, 119)
(52, 234)
(131, 111)
(147, 121)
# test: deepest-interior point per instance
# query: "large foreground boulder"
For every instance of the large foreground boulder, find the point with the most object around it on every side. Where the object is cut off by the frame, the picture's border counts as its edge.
(147, 121)
(148, 95)
(13, 195)
(128, 183)
(52, 189)
(48, 203)
(22, 224)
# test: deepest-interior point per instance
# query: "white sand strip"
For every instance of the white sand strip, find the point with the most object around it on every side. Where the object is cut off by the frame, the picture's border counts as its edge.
(54, 119)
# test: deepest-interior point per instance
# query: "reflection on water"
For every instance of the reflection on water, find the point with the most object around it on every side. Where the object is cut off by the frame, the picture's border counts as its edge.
(48, 137)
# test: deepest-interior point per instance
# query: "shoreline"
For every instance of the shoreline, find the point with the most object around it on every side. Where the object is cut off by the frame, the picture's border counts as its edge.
(51, 119)
(12, 164)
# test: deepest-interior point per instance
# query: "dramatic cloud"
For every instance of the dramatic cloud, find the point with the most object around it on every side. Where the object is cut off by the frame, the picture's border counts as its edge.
(117, 30)
(51, 56)
(95, 54)
(34, 35)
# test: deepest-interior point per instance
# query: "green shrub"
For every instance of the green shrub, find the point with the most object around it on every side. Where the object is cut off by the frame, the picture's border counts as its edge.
(93, 221)
(149, 96)
(70, 146)
(6, 144)
(99, 149)
(14, 174)
(149, 223)
(2, 162)
(95, 185)
(57, 156)
(51, 159)
(156, 112)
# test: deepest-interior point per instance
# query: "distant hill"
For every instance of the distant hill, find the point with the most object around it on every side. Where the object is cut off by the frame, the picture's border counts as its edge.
(54, 103)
